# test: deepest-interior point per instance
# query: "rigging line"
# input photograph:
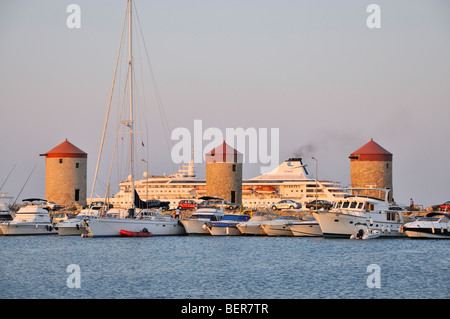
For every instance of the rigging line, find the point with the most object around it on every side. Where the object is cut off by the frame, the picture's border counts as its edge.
(8, 176)
(155, 87)
(109, 107)
(25, 183)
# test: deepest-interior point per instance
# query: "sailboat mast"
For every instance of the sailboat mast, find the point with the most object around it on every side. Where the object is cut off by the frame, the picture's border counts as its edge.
(130, 73)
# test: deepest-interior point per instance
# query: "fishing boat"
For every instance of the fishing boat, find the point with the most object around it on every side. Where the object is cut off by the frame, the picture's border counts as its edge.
(434, 225)
(253, 225)
(156, 223)
(227, 226)
(31, 219)
(143, 233)
(377, 213)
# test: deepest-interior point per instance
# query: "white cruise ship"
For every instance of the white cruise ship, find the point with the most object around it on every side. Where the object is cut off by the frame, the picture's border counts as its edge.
(290, 180)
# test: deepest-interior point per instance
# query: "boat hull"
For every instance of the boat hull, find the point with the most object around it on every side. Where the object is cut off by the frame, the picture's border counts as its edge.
(250, 228)
(71, 231)
(276, 229)
(195, 226)
(26, 229)
(112, 227)
(224, 231)
(430, 233)
(306, 229)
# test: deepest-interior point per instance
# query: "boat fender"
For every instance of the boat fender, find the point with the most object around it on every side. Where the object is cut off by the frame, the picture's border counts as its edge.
(78, 226)
(36, 226)
(432, 229)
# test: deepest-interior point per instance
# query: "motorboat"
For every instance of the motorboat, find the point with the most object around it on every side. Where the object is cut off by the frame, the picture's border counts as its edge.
(434, 225)
(365, 232)
(203, 215)
(253, 225)
(31, 219)
(279, 226)
(307, 226)
(76, 226)
(227, 226)
(375, 213)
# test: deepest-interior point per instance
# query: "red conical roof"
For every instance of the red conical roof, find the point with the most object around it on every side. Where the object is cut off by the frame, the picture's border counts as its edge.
(224, 153)
(371, 151)
(66, 149)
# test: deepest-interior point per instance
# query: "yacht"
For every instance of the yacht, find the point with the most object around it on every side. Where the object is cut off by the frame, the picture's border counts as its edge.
(253, 225)
(343, 218)
(307, 226)
(434, 225)
(227, 226)
(31, 219)
(196, 223)
(154, 222)
(279, 226)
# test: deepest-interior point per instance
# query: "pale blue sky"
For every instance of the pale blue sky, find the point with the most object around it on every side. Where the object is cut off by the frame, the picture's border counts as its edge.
(310, 68)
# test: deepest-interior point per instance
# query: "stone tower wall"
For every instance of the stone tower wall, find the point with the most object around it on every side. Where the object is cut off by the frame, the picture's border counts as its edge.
(62, 179)
(221, 179)
(378, 174)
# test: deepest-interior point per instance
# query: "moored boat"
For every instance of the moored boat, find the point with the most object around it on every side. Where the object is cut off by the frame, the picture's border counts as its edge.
(253, 225)
(279, 226)
(434, 225)
(227, 226)
(307, 226)
(194, 224)
(377, 214)
(31, 219)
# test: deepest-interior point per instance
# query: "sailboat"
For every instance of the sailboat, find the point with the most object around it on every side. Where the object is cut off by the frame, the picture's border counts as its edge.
(138, 219)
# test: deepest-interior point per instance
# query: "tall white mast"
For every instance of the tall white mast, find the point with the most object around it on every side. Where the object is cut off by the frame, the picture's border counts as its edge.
(130, 73)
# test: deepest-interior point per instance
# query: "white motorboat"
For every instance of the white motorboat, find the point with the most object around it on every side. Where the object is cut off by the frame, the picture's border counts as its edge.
(365, 232)
(376, 213)
(434, 225)
(76, 226)
(227, 226)
(253, 225)
(32, 219)
(306, 227)
(203, 215)
(279, 226)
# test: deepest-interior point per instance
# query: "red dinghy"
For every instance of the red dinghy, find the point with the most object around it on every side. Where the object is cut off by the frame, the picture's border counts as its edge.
(143, 233)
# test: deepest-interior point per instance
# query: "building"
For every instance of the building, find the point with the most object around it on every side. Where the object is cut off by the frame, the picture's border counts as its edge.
(371, 167)
(224, 173)
(66, 175)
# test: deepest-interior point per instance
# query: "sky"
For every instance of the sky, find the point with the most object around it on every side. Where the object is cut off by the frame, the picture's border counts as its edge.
(312, 69)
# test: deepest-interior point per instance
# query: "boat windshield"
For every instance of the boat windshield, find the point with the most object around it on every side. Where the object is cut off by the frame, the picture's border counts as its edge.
(428, 219)
(211, 217)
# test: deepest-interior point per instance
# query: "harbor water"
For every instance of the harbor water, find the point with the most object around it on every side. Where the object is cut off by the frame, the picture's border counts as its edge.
(234, 267)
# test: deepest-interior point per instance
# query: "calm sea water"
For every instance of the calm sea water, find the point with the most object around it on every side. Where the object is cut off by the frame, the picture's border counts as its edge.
(234, 267)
